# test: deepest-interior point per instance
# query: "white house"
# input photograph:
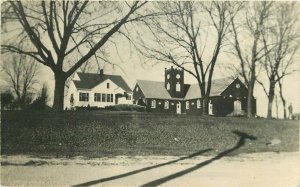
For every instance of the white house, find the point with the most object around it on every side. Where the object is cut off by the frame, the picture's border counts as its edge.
(97, 90)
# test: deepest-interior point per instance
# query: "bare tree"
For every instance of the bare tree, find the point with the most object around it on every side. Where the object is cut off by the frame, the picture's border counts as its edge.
(283, 37)
(249, 27)
(64, 35)
(181, 35)
(20, 75)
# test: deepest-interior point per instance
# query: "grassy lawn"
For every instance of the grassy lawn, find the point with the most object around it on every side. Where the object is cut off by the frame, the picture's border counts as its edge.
(100, 133)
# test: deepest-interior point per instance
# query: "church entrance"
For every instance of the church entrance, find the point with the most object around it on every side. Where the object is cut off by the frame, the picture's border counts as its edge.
(210, 108)
(237, 107)
(178, 108)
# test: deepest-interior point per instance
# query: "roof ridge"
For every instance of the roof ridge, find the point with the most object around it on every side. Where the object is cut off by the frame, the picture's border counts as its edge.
(90, 80)
(98, 74)
(149, 80)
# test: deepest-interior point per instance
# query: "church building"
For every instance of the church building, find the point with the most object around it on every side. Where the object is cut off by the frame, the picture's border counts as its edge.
(173, 96)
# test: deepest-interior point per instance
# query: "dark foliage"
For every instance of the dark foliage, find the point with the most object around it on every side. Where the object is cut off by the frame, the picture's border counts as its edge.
(125, 107)
(40, 103)
(7, 99)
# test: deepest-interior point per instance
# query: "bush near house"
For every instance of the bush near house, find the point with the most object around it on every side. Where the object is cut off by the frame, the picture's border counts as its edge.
(111, 133)
(126, 107)
(119, 107)
(87, 108)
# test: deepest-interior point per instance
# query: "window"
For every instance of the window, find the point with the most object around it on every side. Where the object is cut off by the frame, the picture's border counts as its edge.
(112, 98)
(153, 104)
(103, 97)
(168, 86)
(108, 98)
(83, 96)
(198, 103)
(187, 105)
(166, 105)
(97, 97)
(177, 87)
(107, 85)
(128, 97)
(137, 89)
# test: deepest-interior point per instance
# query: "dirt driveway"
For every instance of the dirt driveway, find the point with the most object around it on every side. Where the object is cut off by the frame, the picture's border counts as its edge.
(261, 169)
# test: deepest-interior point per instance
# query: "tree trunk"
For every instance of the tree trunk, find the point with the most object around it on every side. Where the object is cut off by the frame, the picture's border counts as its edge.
(284, 107)
(270, 105)
(270, 99)
(58, 103)
(205, 106)
(249, 100)
(282, 99)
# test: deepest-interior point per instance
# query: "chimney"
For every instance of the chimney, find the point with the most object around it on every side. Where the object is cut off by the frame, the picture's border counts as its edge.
(101, 74)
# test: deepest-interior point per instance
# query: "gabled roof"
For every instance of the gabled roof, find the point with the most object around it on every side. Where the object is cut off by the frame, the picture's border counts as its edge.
(154, 89)
(90, 80)
(217, 87)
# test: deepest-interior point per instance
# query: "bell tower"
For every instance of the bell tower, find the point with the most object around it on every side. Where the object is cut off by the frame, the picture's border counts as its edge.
(174, 82)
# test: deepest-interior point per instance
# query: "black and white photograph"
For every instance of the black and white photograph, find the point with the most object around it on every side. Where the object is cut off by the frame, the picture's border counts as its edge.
(150, 93)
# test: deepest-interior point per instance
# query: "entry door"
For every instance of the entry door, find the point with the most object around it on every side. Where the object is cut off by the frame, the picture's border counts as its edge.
(237, 106)
(178, 108)
(210, 108)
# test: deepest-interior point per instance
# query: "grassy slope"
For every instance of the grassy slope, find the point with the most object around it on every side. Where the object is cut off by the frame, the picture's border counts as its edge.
(96, 134)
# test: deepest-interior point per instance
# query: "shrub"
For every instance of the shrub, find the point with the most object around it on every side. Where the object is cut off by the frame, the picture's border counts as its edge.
(40, 103)
(126, 107)
(7, 99)
(88, 108)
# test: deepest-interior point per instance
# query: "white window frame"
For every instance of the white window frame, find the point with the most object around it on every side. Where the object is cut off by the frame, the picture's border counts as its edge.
(187, 105)
(96, 98)
(103, 97)
(178, 87)
(198, 103)
(166, 106)
(168, 86)
(153, 104)
(108, 98)
(83, 96)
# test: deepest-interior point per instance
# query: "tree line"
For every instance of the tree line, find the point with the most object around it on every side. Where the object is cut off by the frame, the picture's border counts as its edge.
(67, 35)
